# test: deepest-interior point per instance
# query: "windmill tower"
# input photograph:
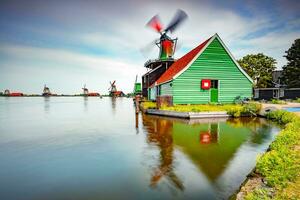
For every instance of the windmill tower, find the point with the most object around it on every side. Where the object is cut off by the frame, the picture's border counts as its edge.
(46, 91)
(6, 92)
(113, 88)
(85, 91)
(167, 47)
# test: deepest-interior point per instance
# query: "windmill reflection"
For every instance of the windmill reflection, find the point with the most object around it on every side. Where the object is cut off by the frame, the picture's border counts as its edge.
(85, 103)
(160, 133)
(46, 104)
(113, 104)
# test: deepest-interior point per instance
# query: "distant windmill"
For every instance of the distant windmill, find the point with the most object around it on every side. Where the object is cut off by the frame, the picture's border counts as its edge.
(46, 91)
(113, 90)
(85, 91)
(6, 92)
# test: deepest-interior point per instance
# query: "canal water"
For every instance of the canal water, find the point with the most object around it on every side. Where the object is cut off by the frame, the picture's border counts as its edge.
(92, 148)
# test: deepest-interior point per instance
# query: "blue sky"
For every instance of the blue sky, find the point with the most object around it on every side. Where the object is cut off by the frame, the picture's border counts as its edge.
(66, 44)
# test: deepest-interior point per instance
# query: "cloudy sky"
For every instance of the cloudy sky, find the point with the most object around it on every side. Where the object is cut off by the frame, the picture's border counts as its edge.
(66, 44)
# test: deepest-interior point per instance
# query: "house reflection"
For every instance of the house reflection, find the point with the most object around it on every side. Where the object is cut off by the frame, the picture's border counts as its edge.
(209, 144)
(211, 135)
(160, 133)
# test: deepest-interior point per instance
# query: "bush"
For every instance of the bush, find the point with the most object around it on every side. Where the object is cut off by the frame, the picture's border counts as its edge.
(148, 105)
(251, 108)
(277, 101)
(282, 116)
(281, 164)
(297, 100)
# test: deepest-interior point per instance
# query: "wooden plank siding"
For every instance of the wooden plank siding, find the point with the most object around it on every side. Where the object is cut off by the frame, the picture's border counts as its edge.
(214, 63)
(166, 89)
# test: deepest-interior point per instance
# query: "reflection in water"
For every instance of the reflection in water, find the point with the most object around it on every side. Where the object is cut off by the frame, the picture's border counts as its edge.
(113, 104)
(46, 104)
(209, 144)
(161, 135)
(137, 122)
(211, 135)
(85, 103)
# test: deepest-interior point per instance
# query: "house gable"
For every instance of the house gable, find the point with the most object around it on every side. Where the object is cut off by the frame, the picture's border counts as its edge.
(214, 62)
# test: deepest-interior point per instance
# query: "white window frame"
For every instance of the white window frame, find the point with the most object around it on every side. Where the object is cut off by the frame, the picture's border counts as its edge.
(256, 93)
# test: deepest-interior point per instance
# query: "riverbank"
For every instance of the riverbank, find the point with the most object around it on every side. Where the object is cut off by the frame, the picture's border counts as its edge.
(277, 172)
(203, 110)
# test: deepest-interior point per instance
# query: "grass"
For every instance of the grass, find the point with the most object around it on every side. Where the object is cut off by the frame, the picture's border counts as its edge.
(280, 166)
(297, 100)
(277, 101)
(148, 105)
(235, 110)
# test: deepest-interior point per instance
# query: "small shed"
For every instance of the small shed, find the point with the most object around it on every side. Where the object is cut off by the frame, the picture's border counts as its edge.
(207, 74)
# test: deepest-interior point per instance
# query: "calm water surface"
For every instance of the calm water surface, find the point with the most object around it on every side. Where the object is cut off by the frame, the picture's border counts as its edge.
(92, 148)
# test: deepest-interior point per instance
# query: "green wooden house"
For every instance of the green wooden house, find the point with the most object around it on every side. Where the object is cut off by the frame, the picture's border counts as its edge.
(208, 73)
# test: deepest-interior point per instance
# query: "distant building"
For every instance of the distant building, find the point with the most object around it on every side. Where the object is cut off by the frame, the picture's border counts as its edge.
(278, 91)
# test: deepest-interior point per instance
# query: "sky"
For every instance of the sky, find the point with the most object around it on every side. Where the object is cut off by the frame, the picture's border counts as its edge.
(66, 44)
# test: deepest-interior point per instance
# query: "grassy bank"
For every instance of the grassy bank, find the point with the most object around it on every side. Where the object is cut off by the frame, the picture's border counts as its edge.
(280, 167)
(235, 110)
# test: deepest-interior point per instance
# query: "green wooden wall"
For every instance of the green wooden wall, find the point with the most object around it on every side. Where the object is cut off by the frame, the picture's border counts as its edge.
(166, 89)
(213, 63)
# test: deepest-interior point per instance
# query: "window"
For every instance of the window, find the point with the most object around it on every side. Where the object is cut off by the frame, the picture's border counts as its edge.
(256, 93)
(214, 84)
(281, 92)
(159, 90)
(276, 93)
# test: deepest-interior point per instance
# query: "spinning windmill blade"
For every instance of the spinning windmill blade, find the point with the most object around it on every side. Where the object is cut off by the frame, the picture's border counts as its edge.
(146, 50)
(155, 23)
(178, 18)
(166, 44)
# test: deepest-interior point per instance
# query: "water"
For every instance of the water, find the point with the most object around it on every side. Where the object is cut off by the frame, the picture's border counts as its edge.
(92, 148)
(292, 109)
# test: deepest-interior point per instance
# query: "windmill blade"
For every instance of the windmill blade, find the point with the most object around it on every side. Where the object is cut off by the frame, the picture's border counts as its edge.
(113, 83)
(179, 17)
(147, 49)
(155, 23)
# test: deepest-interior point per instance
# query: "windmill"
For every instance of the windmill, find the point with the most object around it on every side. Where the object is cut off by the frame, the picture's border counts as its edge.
(166, 44)
(137, 87)
(85, 91)
(46, 91)
(7, 92)
(113, 90)
(167, 47)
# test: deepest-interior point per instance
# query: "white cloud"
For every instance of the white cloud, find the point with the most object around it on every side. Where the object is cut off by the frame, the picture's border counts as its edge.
(104, 68)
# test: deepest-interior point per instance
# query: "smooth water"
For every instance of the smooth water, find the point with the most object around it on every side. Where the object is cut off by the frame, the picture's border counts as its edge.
(92, 148)
(292, 109)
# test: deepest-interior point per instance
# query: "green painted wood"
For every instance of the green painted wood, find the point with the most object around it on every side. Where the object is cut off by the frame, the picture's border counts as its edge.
(166, 89)
(213, 95)
(213, 63)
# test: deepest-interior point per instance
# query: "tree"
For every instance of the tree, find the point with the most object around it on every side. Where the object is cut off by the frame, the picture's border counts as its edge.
(259, 67)
(291, 71)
